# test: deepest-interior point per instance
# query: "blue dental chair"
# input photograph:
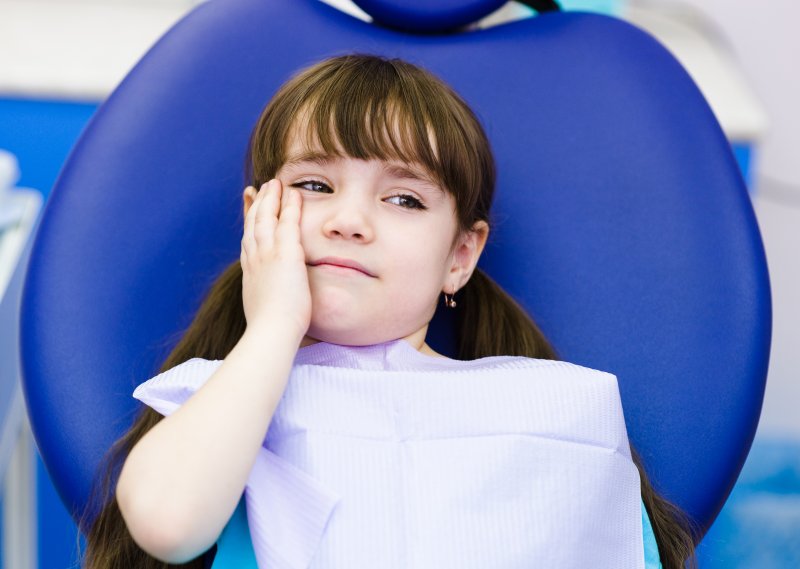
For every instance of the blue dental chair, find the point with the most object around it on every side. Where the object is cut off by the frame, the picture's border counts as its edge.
(621, 221)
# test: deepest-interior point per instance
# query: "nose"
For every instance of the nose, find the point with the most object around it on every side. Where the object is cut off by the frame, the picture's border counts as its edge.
(348, 218)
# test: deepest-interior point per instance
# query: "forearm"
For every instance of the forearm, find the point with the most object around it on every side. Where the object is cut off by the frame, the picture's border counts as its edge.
(182, 481)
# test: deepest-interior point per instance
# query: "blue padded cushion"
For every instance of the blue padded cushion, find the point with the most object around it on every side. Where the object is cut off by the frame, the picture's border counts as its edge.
(427, 16)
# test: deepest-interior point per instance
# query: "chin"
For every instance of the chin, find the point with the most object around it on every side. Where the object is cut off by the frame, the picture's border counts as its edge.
(343, 337)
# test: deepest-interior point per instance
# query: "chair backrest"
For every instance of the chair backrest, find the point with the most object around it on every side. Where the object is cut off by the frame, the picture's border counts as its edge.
(621, 223)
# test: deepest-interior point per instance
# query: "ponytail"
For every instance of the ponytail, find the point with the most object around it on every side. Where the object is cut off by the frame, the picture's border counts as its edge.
(215, 330)
(491, 323)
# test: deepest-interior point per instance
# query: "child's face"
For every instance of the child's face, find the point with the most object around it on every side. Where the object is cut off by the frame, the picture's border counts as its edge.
(369, 211)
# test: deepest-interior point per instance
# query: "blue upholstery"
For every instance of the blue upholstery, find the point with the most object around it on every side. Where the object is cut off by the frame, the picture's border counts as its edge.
(425, 16)
(621, 223)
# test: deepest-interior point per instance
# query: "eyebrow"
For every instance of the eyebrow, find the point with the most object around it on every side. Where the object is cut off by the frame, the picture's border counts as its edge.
(395, 170)
(314, 157)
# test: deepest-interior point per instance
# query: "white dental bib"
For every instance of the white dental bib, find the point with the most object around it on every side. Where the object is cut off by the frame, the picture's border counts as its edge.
(383, 457)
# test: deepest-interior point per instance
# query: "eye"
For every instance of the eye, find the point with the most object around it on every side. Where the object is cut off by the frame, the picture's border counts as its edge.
(415, 203)
(410, 201)
(311, 183)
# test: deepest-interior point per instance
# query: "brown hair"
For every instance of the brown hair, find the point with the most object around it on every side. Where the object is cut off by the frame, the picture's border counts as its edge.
(364, 106)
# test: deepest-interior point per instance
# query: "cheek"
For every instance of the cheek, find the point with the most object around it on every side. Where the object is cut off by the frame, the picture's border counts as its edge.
(307, 225)
(414, 266)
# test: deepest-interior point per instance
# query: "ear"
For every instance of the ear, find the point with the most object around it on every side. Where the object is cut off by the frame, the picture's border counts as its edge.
(465, 256)
(248, 196)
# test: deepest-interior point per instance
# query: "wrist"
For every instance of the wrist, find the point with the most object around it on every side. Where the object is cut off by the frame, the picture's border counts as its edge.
(272, 335)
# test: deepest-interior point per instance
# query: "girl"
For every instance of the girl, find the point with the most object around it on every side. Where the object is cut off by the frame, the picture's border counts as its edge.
(371, 185)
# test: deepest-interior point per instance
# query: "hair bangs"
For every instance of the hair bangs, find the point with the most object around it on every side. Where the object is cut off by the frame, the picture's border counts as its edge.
(367, 121)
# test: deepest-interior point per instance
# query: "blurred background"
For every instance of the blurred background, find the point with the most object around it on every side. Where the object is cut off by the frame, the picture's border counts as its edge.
(59, 59)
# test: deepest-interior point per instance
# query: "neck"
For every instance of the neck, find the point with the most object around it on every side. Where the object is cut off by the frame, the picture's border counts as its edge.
(416, 339)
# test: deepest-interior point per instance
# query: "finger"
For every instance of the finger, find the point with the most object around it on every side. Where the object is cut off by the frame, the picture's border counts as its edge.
(288, 229)
(249, 221)
(274, 196)
(264, 223)
(285, 194)
(249, 238)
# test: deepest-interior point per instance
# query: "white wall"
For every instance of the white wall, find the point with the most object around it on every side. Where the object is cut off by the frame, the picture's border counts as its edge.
(764, 37)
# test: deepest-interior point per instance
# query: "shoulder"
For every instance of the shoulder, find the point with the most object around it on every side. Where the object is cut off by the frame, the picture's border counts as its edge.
(189, 372)
(169, 389)
(517, 376)
(551, 367)
(571, 382)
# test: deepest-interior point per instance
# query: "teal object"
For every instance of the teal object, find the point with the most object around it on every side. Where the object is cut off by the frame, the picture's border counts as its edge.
(609, 7)
(651, 557)
(235, 550)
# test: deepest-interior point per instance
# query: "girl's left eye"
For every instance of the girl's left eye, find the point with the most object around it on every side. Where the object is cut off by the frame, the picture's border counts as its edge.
(413, 202)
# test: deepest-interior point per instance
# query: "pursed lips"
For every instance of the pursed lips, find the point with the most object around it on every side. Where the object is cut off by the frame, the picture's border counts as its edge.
(342, 263)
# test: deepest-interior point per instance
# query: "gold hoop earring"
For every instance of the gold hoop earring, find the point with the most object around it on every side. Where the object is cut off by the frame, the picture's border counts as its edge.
(450, 303)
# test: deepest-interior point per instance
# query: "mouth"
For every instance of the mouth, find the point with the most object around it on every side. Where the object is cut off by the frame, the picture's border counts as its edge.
(340, 265)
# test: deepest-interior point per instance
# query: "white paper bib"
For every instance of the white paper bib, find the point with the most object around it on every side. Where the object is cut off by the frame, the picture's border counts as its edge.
(383, 457)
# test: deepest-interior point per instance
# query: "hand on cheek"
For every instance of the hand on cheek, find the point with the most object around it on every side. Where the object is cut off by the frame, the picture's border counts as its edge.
(274, 274)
